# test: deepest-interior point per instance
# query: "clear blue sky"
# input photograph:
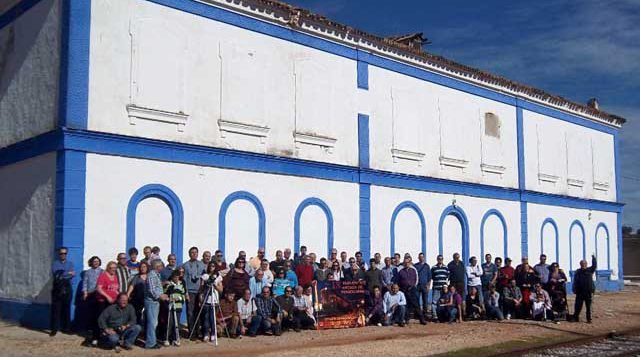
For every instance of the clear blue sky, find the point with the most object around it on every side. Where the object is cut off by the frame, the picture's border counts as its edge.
(576, 49)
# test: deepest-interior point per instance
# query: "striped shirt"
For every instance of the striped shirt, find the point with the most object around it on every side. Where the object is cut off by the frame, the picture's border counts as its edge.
(440, 276)
(153, 286)
(124, 276)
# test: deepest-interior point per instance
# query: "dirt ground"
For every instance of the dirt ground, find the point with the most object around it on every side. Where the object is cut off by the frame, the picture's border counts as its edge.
(612, 311)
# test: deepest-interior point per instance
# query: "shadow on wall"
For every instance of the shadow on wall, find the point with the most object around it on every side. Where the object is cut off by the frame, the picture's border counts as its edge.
(33, 314)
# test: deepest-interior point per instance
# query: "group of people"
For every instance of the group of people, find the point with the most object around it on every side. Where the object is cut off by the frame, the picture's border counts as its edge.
(143, 298)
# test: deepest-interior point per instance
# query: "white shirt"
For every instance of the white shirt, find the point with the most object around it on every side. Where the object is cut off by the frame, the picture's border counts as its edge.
(390, 300)
(473, 275)
(246, 308)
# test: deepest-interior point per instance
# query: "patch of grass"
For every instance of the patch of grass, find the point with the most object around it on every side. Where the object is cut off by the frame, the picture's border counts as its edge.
(506, 347)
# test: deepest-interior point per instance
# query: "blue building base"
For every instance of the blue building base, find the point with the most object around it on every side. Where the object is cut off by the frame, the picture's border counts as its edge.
(26, 313)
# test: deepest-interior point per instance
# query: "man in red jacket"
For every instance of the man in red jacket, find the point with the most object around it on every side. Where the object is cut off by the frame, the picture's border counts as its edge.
(304, 272)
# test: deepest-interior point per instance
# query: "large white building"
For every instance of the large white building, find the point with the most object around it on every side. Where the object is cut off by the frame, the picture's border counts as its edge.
(234, 124)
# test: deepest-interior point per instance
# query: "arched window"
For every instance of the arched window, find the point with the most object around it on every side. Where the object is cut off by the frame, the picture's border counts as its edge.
(313, 245)
(222, 219)
(459, 215)
(492, 241)
(577, 249)
(173, 202)
(602, 245)
(404, 246)
(549, 239)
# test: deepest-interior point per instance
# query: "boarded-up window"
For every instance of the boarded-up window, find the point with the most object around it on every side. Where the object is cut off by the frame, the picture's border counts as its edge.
(458, 130)
(492, 125)
(578, 159)
(408, 123)
(602, 148)
(243, 84)
(158, 65)
(550, 152)
(314, 96)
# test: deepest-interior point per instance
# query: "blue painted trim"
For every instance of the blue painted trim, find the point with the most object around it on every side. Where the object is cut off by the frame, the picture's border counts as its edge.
(557, 238)
(522, 183)
(571, 202)
(489, 213)
(313, 201)
(16, 11)
(142, 148)
(26, 149)
(363, 75)
(457, 212)
(363, 141)
(620, 254)
(74, 64)
(423, 226)
(618, 172)
(284, 33)
(26, 313)
(71, 168)
(222, 217)
(584, 242)
(365, 220)
(169, 197)
(524, 229)
(606, 230)
(420, 183)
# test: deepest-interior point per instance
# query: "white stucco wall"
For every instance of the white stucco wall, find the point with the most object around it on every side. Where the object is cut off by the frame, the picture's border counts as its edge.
(29, 66)
(384, 201)
(27, 228)
(111, 181)
(568, 159)
(152, 56)
(564, 217)
(440, 125)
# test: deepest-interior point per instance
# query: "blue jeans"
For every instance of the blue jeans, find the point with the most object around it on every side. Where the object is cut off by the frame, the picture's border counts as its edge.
(208, 325)
(436, 293)
(447, 314)
(494, 312)
(151, 308)
(398, 316)
(128, 337)
(262, 323)
(423, 294)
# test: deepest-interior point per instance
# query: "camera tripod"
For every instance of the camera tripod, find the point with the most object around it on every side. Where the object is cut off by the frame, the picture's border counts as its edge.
(215, 303)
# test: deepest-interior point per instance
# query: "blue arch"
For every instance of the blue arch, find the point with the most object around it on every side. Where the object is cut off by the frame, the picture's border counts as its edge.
(313, 201)
(457, 212)
(584, 242)
(423, 226)
(222, 217)
(175, 206)
(494, 212)
(555, 228)
(606, 230)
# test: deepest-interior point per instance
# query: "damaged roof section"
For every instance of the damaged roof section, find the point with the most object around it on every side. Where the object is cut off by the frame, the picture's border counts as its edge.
(411, 46)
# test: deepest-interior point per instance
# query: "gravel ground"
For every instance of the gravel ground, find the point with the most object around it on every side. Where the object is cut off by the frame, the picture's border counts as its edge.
(612, 311)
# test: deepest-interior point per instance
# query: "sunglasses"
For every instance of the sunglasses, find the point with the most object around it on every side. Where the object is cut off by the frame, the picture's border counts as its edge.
(62, 253)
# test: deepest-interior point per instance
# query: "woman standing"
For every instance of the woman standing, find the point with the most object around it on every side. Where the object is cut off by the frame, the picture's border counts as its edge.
(237, 280)
(336, 269)
(136, 290)
(89, 283)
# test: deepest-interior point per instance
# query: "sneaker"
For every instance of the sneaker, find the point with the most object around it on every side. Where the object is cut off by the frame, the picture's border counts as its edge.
(94, 343)
(116, 349)
(379, 324)
(176, 343)
(402, 324)
(166, 344)
(53, 333)
(154, 347)
(206, 339)
(508, 316)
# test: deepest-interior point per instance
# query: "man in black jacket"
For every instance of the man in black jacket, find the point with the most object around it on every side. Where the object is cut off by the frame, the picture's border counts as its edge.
(583, 287)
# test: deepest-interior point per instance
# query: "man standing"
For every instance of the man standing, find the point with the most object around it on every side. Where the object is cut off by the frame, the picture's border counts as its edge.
(388, 274)
(424, 280)
(373, 277)
(61, 292)
(118, 322)
(299, 257)
(377, 259)
(474, 275)
(440, 276)
(505, 274)
(344, 262)
(277, 264)
(542, 271)
(457, 273)
(408, 282)
(287, 256)
(165, 275)
(395, 306)
(304, 272)
(489, 275)
(584, 288)
(193, 270)
(153, 294)
(122, 272)
(363, 265)
(206, 258)
(257, 260)
(333, 257)
(133, 264)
